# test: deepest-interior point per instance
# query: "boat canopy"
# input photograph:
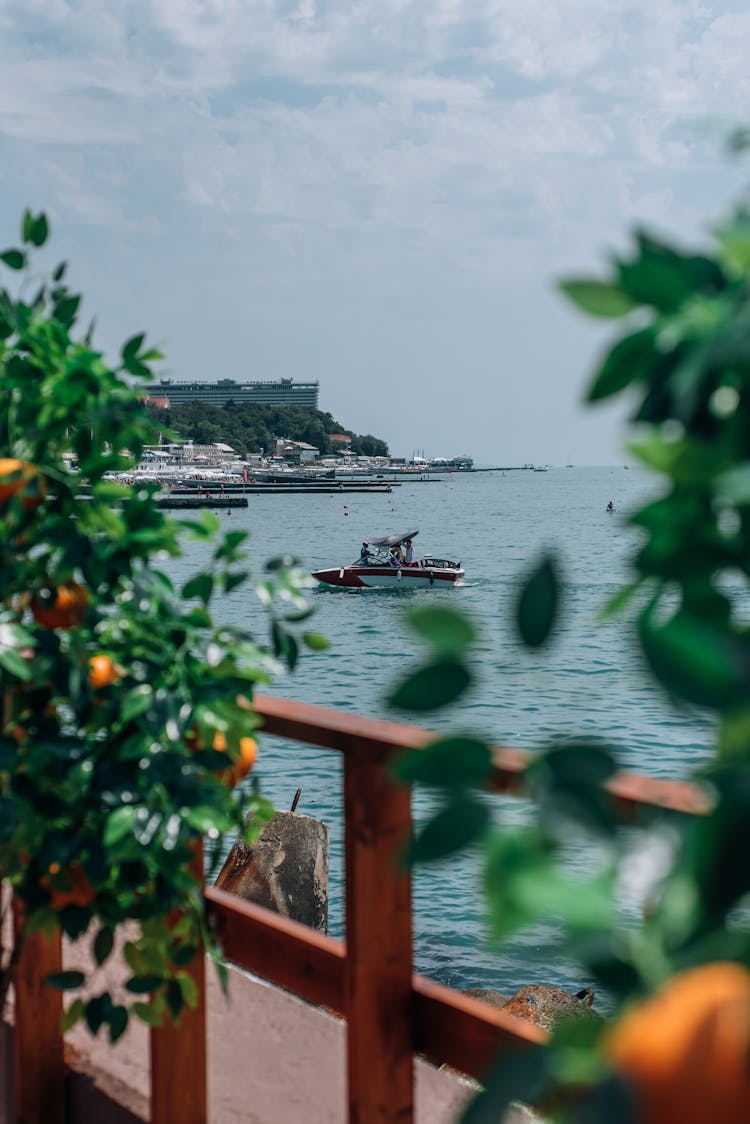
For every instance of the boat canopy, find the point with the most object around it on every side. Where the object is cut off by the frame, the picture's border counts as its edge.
(392, 540)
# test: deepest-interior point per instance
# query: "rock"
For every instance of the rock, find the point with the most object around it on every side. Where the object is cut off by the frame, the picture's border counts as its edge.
(487, 995)
(285, 870)
(547, 1006)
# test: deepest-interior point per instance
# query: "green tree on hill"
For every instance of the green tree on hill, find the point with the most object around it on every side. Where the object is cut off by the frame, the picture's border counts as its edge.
(250, 428)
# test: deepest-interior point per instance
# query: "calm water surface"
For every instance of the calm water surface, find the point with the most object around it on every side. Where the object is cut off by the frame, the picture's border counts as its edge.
(588, 681)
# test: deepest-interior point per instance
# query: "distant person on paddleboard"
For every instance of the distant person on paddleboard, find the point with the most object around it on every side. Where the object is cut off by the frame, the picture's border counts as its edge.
(610, 506)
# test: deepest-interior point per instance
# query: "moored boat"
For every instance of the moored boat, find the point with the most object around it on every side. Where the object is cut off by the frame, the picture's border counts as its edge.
(380, 567)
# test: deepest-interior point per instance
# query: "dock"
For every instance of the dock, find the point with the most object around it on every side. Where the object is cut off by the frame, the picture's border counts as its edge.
(199, 500)
(232, 491)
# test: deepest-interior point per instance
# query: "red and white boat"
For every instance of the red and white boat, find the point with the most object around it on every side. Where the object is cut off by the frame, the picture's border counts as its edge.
(381, 565)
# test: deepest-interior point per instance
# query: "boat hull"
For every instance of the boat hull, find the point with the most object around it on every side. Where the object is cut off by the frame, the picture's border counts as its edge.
(390, 577)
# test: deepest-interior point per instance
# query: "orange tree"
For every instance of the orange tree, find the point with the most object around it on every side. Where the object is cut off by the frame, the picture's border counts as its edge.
(127, 715)
(683, 358)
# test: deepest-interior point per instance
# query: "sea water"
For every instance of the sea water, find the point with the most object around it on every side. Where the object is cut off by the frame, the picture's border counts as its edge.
(589, 680)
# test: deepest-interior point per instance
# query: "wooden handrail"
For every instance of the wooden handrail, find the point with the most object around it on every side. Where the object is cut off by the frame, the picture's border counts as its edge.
(390, 1012)
(342, 730)
(448, 1027)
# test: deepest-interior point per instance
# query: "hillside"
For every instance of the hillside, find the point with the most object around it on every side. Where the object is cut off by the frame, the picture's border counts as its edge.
(249, 428)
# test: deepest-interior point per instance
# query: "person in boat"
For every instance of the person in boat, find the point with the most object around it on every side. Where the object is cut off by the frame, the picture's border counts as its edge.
(394, 558)
(610, 506)
(408, 553)
(364, 554)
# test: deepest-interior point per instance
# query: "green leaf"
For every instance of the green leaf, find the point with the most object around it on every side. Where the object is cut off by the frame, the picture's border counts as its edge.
(455, 827)
(14, 663)
(447, 763)
(97, 1011)
(14, 259)
(148, 1014)
(234, 580)
(182, 955)
(281, 562)
(119, 824)
(299, 615)
(65, 981)
(631, 359)
(663, 278)
(175, 999)
(568, 783)
(142, 985)
(204, 819)
(137, 701)
(599, 298)
(200, 586)
(65, 310)
(448, 632)
(72, 1014)
(133, 346)
(523, 884)
(228, 548)
(577, 763)
(38, 230)
(695, 660)
(103, 944)
(436, 685)
(315, 642)
(537, 604)
(189, 988)
(117, 1022)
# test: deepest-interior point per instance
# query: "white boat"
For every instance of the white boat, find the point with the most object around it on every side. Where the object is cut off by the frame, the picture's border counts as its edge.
(378, 568)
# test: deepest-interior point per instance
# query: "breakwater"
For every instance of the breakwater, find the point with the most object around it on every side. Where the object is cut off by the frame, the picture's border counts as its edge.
(199, 500)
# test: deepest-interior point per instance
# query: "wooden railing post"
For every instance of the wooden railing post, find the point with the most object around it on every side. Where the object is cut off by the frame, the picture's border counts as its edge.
(378, 967)
(39, 1065)
(179, 1070)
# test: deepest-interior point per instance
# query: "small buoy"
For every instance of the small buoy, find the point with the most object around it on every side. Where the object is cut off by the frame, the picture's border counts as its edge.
(346, 513)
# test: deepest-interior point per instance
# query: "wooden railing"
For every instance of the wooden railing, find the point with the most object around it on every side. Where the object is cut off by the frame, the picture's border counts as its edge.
(391, 1014)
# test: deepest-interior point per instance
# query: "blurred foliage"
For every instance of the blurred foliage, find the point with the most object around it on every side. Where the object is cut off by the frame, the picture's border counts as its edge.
(683, 360)
(126, 708)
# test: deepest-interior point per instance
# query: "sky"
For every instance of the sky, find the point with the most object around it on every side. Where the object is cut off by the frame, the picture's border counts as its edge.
(378, 194)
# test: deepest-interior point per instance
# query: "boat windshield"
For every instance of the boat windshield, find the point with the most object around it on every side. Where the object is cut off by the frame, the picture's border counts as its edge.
(392, 540)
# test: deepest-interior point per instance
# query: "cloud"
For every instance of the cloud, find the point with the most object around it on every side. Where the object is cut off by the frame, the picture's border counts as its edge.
(324, 165)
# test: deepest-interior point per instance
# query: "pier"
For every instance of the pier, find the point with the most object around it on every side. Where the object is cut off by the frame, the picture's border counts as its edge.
(199, 499)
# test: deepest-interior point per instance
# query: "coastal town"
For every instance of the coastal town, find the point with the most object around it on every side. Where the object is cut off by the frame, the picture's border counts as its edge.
(262, 430)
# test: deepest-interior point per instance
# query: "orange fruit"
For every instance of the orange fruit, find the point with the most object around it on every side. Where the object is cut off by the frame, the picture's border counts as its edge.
(103, 671)
(240, 768)
(21, 476)
(80, 891)
(686, 1051)
(65, 611)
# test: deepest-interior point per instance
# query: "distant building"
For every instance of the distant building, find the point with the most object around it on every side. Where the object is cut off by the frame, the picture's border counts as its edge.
(284, 392)
(340, 440)
(299, 452)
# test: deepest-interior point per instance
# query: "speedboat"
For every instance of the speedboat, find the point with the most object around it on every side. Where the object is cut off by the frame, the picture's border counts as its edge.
(378, 567)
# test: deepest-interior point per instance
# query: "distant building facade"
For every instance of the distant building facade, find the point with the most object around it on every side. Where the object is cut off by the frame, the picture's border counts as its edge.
(284, 392)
